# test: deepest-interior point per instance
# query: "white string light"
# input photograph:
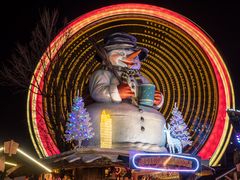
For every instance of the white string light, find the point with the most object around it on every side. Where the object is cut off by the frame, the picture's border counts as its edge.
(34, 160)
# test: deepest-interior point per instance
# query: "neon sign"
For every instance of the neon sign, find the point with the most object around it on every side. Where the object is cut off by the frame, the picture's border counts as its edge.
(164, 162)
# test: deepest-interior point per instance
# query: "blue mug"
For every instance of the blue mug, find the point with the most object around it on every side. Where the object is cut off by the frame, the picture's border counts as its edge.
(146, 94)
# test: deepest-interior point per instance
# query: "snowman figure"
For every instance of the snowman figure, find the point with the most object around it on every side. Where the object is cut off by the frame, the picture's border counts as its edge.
(118, 80)
(114, 87)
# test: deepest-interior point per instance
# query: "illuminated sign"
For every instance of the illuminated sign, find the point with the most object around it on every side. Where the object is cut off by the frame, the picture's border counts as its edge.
(164, 162)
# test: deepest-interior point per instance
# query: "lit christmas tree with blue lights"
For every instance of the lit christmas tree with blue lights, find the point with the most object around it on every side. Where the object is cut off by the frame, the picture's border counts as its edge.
(179, 128)
(79, 126)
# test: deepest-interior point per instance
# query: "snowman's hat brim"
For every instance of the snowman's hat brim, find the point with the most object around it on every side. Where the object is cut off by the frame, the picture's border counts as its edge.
(122, 40)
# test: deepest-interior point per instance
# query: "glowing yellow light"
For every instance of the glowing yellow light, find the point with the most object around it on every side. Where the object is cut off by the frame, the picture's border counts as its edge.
(1, 149)
(105, 130)
(166, 161)
(34, 160)
(30, 129)
(9, 163)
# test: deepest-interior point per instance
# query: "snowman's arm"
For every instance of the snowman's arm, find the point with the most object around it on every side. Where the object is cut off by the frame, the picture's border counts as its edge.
(101, 87)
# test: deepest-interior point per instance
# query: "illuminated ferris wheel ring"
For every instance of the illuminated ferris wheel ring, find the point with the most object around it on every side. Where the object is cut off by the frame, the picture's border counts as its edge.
(219, 137)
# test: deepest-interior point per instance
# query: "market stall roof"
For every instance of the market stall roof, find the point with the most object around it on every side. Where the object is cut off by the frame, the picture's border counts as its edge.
(88, 157)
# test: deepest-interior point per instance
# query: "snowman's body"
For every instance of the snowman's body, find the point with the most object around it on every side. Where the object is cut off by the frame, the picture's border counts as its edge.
(130, 123)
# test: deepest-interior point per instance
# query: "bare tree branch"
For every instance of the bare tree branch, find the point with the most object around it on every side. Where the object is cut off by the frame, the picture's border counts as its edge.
(23, 61)
(18, 71)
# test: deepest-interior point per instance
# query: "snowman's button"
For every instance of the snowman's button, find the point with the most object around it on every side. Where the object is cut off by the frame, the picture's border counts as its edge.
(140, 110)
(142, 119)
(142, 128)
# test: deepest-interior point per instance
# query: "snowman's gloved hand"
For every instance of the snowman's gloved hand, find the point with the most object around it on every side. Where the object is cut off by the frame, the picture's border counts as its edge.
(125, 91)
(158, 99)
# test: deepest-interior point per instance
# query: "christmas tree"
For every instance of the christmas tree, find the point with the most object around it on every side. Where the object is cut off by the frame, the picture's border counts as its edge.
(179, 128)
(78, 126)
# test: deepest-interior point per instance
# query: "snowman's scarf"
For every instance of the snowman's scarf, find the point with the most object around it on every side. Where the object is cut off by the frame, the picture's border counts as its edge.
(126, 73)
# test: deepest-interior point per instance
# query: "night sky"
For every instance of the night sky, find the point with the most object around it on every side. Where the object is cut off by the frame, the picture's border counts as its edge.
(18, 18)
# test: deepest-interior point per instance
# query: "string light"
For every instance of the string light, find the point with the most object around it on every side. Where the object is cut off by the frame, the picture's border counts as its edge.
(34, 160)
(9, 163)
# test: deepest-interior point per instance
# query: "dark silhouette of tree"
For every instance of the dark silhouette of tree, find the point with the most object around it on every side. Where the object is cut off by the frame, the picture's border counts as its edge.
(19, 71)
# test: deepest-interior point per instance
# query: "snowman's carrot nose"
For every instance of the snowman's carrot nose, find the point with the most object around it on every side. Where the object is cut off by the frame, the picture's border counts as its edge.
(132, 56)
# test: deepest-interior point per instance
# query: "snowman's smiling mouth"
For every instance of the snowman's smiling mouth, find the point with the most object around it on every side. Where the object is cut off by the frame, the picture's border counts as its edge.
(128, 63)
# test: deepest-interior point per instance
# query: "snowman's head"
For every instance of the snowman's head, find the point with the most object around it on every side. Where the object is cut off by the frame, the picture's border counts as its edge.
(123, 51)
(125, 58)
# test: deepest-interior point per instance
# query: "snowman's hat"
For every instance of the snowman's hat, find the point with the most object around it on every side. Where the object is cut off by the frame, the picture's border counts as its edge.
(122, 40)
